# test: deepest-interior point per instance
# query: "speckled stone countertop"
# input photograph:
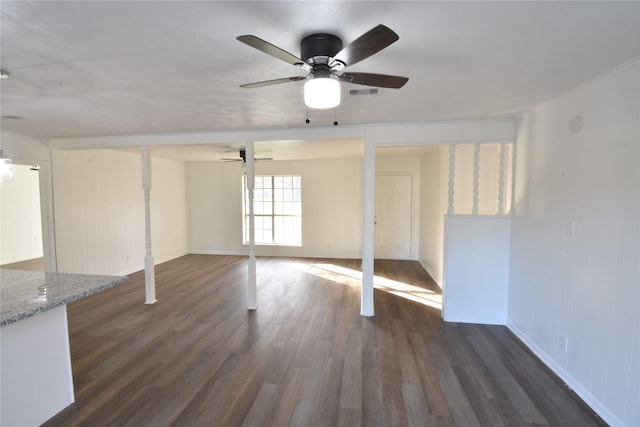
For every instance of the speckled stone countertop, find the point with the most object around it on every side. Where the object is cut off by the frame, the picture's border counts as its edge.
(26, 293)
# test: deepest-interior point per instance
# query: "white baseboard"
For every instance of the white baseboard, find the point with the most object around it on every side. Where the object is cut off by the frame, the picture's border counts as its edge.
(140, 267)
(210, 252)
(428, 270)
(597, 406)
(278, 253)
(170, 257)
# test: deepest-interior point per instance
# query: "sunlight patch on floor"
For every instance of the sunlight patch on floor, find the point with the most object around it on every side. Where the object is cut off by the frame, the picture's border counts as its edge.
(353, 278)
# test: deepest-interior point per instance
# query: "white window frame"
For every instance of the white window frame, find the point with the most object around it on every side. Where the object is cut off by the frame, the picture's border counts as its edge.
(277, 213)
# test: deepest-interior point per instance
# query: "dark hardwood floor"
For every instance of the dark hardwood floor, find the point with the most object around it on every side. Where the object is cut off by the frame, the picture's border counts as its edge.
(305, 357)
(36, 264)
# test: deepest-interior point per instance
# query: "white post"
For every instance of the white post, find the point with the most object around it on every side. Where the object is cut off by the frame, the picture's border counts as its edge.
(149, 269)
(366, 296)
(252, 302)
(452, 172)
(476, 178)
(501, 166)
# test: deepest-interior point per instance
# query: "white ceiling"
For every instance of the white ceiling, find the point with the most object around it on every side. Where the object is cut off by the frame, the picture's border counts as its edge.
(89, 68)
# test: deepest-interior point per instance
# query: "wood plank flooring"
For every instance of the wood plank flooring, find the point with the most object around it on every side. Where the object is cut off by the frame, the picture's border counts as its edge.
(304, 357)
(36, 264)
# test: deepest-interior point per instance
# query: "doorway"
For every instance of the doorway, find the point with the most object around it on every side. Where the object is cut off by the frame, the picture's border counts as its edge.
(21, 242)
(393, 216)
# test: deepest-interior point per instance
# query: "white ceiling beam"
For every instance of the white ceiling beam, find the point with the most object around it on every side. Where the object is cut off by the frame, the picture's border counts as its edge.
(502, 130)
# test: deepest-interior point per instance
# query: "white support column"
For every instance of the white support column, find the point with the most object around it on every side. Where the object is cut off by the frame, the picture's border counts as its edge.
(149, 269)
(366, 295)
(476, 179)
(501, 167)
(452, 173)
(252, 302)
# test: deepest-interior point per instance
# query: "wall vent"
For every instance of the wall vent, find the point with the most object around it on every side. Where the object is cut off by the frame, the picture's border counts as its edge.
(370, 91)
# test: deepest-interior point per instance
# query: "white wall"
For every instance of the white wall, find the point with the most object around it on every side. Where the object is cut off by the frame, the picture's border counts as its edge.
(433, 206)
(434, 194)
(168, 209)
(575, 253)
(331, 207)
(476, 269)
(20, 225)
(99, 211)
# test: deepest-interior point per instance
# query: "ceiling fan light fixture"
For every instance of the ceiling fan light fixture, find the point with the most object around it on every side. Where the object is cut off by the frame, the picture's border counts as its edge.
(322, 93)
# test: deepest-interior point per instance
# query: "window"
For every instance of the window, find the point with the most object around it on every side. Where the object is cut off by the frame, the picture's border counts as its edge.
(277, 210)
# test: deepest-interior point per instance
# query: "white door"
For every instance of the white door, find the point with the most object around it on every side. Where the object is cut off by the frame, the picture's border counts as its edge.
(393, 217)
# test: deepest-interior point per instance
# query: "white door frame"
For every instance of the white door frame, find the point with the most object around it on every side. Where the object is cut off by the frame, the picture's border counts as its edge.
(415, 192)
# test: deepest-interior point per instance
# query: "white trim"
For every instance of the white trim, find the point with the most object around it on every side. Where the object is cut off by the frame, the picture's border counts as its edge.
(430, 273)
(149, 264)
(573, 384)
(368, 232)
(140, 267)
(426, 133)
(271, 252)
(252, 302)
(487, 216)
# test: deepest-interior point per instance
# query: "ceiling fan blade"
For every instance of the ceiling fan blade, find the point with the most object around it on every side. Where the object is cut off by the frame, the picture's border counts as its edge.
(257, 159)
(378, 80)
(273, 82)
(371, 42)
(273, 50)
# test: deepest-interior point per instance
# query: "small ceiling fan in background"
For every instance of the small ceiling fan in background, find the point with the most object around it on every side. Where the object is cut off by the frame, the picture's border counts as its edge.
(243, 157)
(324, 57)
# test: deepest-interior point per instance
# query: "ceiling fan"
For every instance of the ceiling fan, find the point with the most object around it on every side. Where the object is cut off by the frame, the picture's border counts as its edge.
(243, 157)
(324, 57)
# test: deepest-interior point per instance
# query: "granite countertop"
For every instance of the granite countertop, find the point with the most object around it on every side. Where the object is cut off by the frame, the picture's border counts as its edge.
(26, 293)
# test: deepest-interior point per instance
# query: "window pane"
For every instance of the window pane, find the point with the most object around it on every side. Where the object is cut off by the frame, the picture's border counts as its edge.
(278, 195)
(267, 208)
(277, 210)
(292, 209)
(258, 222)
(257, 195)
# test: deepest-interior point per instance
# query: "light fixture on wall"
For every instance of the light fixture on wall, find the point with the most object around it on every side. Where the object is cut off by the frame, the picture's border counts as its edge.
(6, 170)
